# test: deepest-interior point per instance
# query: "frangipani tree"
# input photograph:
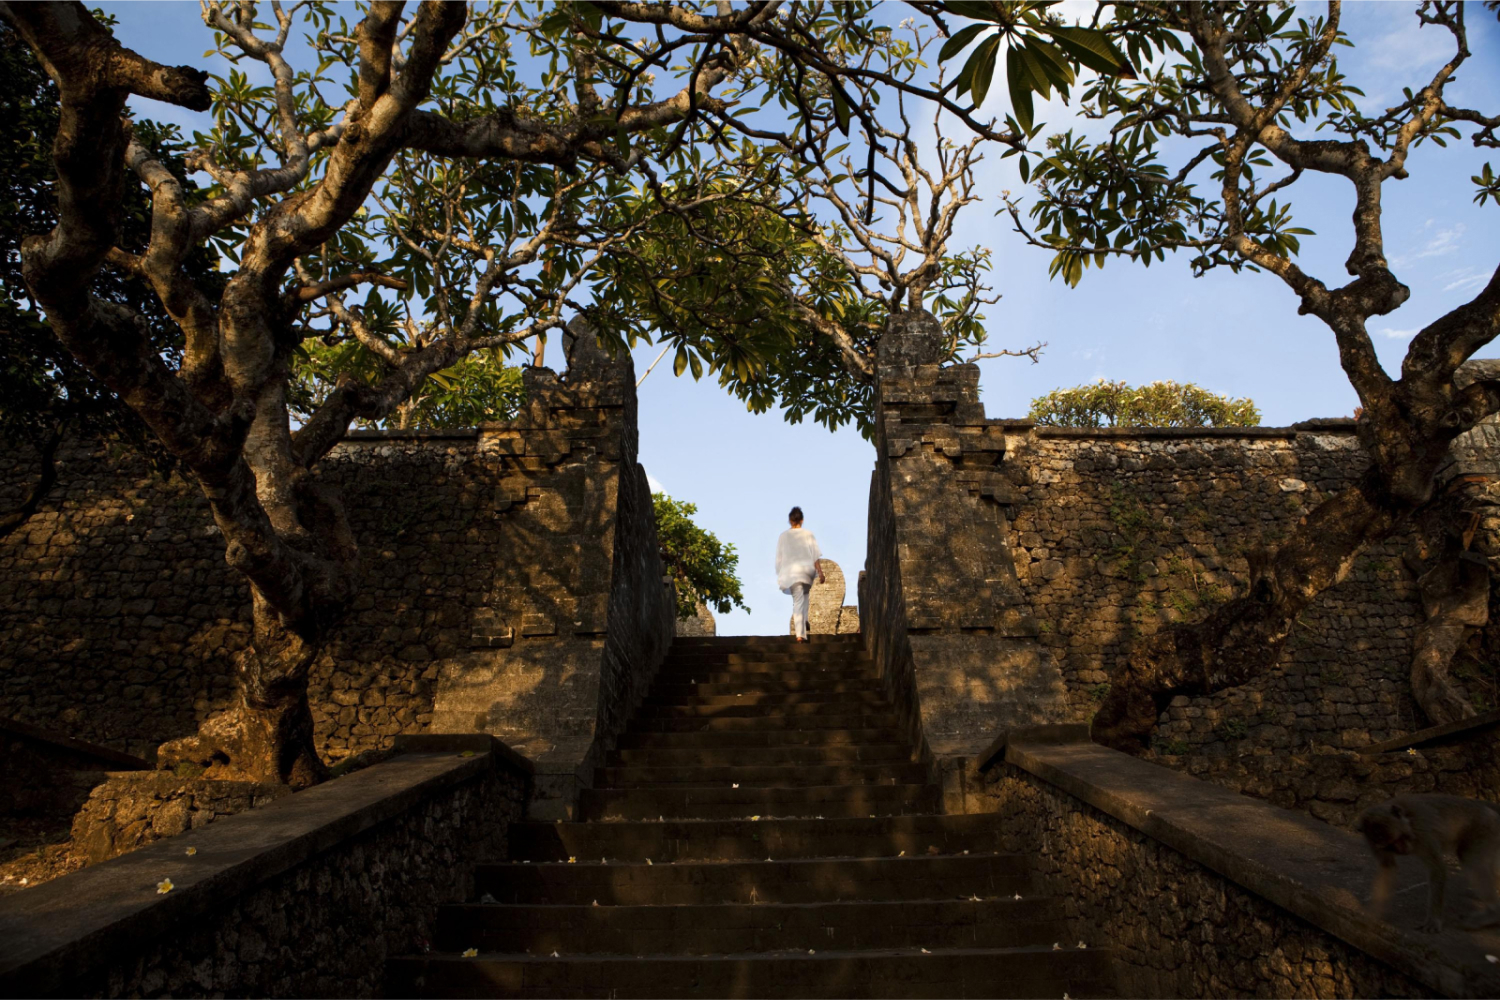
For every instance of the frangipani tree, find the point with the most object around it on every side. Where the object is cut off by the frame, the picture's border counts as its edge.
(418, 190)
(1241, 104)
(427, 183)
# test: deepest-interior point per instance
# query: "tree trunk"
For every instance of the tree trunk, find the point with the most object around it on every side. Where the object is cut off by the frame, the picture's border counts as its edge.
(268, 734)
(1243, 637)
(46, 479)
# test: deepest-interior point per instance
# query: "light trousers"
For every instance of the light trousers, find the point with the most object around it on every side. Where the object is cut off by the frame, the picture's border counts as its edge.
(799, 607)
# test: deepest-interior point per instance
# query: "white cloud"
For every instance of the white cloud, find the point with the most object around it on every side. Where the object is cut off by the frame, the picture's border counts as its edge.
(1397, 334)
(654, 484)
(1464, 279)
(1440, 244)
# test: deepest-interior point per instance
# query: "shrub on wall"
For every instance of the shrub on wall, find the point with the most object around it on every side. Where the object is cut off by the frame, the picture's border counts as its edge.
(1160, 404)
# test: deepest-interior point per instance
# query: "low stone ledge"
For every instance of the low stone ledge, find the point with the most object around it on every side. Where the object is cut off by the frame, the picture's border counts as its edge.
(1319, 426)
(1309, 869)
(80, 755)
(398, 434)
(107, 929)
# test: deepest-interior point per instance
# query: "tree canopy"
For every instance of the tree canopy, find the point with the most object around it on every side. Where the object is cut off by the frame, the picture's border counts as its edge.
(702, 567)
(1159, 404)
(416, 192)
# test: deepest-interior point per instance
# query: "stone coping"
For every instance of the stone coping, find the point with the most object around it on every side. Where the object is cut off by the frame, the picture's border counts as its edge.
(394, 433)
(1314, 871)
(59, 931)
(109, 760)
(1321, 426)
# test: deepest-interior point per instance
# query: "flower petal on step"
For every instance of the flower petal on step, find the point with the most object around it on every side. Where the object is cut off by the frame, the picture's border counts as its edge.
(470, 952)
(191, 851)
(164, 886)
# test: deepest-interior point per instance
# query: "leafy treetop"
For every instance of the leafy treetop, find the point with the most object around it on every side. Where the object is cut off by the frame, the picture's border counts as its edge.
(1160, 404)
(703, 568)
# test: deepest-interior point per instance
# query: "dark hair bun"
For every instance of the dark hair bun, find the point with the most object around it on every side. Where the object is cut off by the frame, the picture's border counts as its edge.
(795, 515)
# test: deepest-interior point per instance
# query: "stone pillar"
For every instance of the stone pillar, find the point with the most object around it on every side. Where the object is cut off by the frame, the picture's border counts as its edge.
(940, 607)
(577, 618)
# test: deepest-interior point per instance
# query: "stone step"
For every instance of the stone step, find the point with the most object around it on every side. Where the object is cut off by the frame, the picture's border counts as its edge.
(1011, 972)
(892, 753)
(762, 642)
(769, 688)
(748, 840)
(723, 739)
(763, 676)
(737, 661)
(728, 802)
(752, 708)
(690, 696)
(848, 720)
(750, 927)
(776, 775)
(826, 880)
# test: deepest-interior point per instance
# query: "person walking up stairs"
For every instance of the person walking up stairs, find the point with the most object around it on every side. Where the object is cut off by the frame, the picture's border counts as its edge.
(762, 830)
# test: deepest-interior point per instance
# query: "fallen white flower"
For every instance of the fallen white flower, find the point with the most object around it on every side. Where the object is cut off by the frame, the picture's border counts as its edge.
(162, 888)
(470, 952)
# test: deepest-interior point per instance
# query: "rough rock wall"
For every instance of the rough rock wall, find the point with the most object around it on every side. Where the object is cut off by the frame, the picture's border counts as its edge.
(1175, 927)
(1116, 533)
(827, 614)
(485, 599)
(941, 602)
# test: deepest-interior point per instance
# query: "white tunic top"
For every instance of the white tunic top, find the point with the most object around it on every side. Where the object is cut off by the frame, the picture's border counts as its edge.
(797, 556)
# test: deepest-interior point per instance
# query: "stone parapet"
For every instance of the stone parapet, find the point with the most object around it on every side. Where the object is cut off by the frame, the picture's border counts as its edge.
(1198, 891)
(304, 897)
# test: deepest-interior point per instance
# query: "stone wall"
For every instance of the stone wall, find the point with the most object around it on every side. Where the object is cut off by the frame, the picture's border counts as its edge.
(1337, 785)
(939, 602)
(305, 897)
(1174, 927)
(1116, 533)
(511, 584)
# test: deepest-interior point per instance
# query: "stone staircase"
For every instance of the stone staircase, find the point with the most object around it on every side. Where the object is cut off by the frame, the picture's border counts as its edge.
(762, 830)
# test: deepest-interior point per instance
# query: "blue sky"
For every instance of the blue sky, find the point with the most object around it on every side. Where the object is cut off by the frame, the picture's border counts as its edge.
(1234, 334)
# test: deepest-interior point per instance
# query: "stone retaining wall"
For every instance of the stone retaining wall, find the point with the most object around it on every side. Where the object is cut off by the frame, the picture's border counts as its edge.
(1336, 786)
(511, 584)
(307, 896)
(1116, 533)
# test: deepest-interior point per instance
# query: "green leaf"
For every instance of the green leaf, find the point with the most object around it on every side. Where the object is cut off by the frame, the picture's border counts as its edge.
(976, 9)
(960, 41)
(622, 142)
(680, 363)
(1025, 171)
(840, 109)
(1020, 91)
(984, 68)
(1093, 49)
